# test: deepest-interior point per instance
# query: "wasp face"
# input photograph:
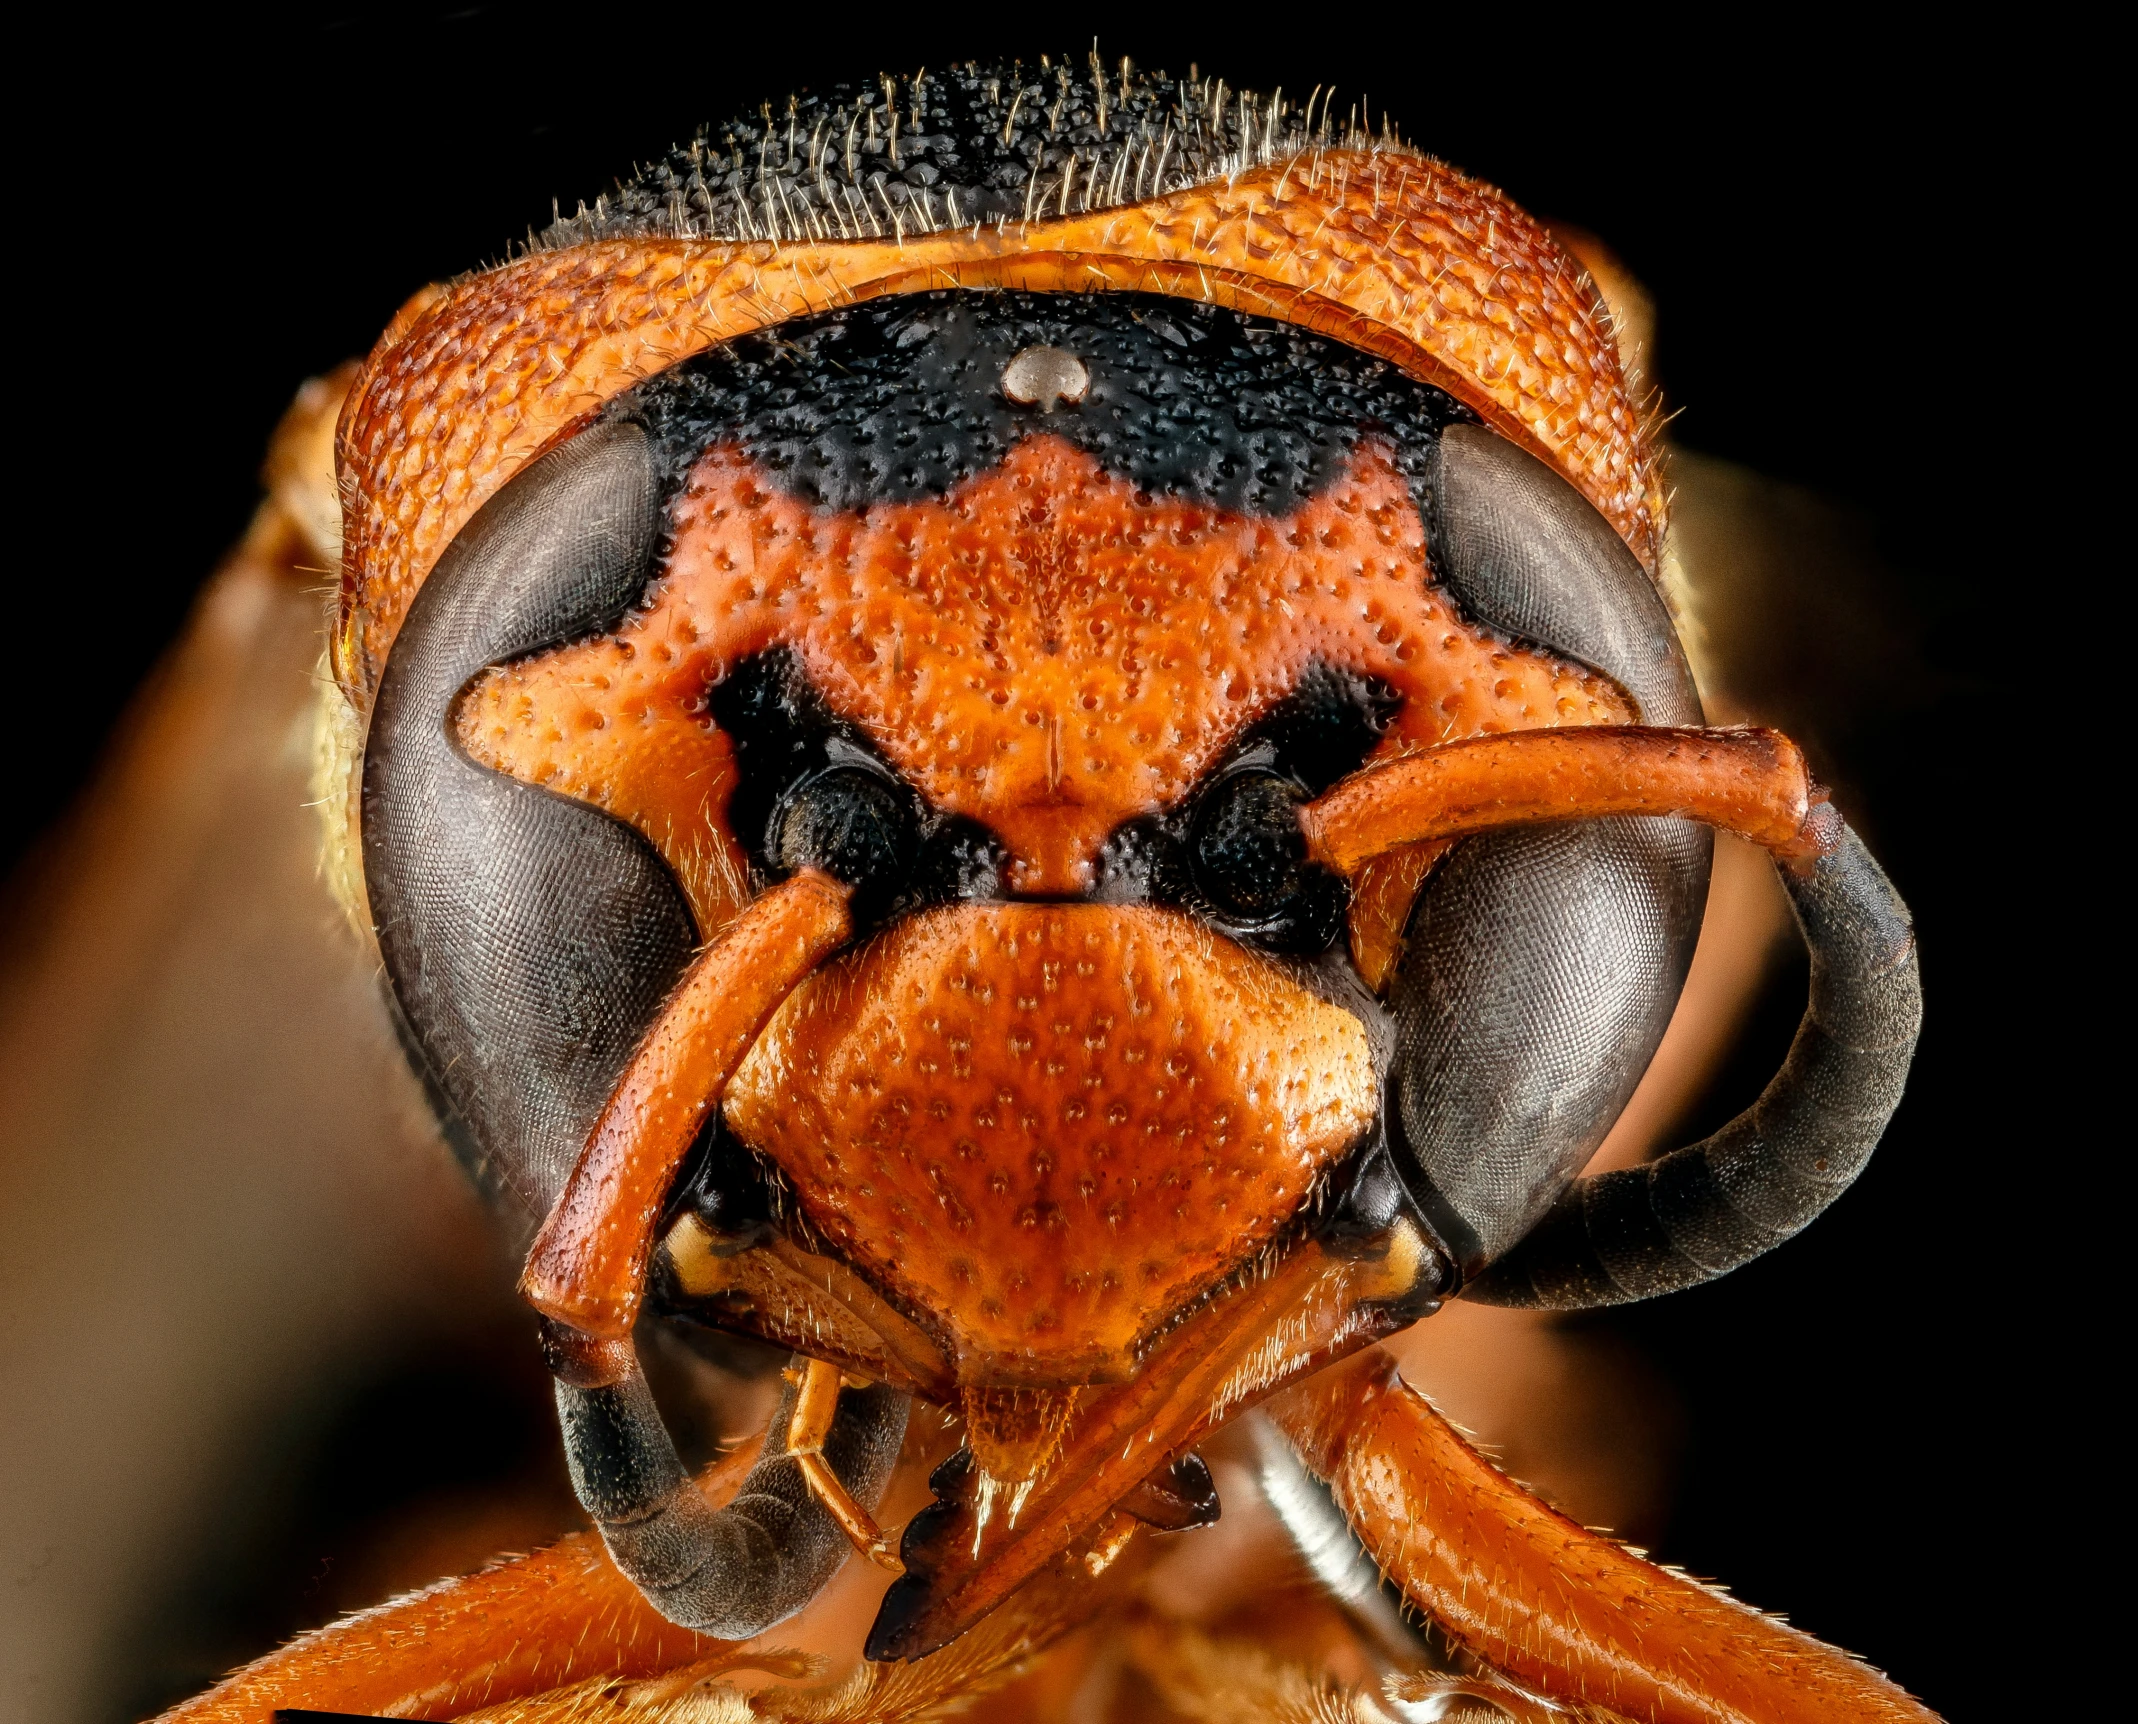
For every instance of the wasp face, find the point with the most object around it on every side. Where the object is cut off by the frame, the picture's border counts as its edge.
(1045, 682)
(1001, 835)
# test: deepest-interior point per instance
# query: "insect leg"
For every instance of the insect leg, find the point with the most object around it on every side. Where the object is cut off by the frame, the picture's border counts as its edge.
(737, 1570)
(1307, 1511)
(513, 1629)
(1560, 1609)
(1701, 1211)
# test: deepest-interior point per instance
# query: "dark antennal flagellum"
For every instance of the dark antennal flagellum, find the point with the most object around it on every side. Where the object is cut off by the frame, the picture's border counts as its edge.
(960, 147)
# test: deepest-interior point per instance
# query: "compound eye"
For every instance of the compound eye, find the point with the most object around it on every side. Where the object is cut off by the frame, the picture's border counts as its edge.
(1250, 858)
(854, 823)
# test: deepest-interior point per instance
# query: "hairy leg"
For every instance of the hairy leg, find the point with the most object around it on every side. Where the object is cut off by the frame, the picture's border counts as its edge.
(1560, 1609)
(522, 1627)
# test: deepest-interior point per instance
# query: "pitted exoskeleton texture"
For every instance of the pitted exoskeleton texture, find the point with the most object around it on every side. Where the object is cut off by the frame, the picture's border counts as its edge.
(901, 400)
(966, 145)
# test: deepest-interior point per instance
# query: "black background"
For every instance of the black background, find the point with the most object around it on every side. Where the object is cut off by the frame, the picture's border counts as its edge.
(241, 210)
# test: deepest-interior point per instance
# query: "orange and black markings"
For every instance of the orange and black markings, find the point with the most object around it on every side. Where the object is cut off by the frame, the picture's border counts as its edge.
(1046, 650)
(1050, 646)
(1050, 1124)
(1073, 810)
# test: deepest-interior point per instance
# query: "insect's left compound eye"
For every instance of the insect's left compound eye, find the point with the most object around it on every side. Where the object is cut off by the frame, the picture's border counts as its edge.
(530, 937)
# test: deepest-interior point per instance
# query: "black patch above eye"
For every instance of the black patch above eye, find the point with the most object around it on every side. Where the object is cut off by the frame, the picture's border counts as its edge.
(901, 399)
(1232, 852)
(811, 792)
(1323, 730)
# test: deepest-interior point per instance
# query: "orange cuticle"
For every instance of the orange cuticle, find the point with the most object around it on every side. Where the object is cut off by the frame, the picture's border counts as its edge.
(1562, 1610)
(1751, 782)
(586, 1271)
(1271, 1328)
(816, 1404)
(1001, 645)
(1398, 256)
(1051, 1126)
(525, 1625)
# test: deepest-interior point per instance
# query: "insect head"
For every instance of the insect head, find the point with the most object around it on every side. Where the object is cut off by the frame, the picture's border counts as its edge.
(1024, 739)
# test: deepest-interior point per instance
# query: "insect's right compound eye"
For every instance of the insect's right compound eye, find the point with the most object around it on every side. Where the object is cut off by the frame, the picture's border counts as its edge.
(856, 824)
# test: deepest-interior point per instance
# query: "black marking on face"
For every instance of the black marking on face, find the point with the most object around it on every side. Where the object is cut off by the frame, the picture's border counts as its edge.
(734, 1195)
(1231, 852)
(1358, 1205)
(812, 790)
(902, 399)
